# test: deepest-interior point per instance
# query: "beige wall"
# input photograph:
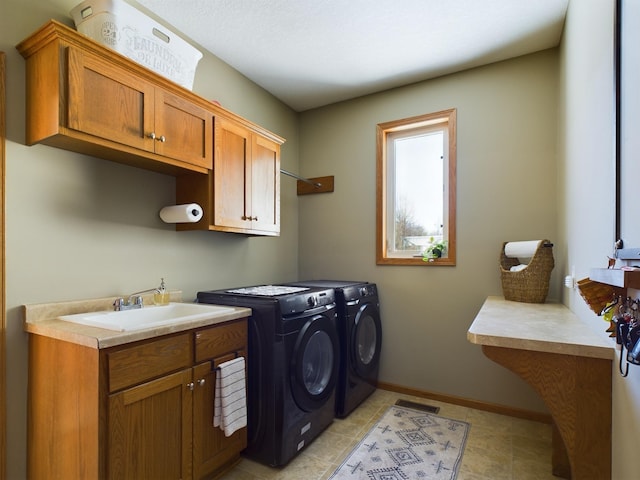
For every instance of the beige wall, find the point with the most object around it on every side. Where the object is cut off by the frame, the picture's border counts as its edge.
(79, 227)
(506, 159)
(533, 156)
(587, 177)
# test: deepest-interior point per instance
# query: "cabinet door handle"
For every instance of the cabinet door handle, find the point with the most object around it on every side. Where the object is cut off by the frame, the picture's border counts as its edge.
(201, 382)
(190, 386)
(161, 138)
(152, 135)
(255, 218)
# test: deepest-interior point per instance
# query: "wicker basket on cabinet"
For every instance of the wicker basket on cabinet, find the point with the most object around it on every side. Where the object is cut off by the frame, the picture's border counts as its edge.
(531, 284)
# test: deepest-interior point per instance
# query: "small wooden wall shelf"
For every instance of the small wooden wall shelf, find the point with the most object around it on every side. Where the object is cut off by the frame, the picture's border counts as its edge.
(322, 185)
(616, 277)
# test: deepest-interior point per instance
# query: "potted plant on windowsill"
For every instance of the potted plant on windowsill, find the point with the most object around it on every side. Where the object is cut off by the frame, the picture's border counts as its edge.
(435, 250)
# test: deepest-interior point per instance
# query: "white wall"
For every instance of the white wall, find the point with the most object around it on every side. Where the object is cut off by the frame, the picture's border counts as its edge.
(587, 176)
(506, 190)
(79, 227)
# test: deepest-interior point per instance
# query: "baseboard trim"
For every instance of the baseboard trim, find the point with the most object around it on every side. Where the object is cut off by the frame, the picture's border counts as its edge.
(466, 402)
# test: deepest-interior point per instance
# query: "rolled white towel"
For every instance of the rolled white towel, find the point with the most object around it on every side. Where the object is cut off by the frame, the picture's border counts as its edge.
(518, 268)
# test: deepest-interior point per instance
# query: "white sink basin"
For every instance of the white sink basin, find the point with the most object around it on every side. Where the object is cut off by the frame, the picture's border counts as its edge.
(147, 317)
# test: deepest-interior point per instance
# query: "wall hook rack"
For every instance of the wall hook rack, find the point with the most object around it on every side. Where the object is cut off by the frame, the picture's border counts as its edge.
(311, 185)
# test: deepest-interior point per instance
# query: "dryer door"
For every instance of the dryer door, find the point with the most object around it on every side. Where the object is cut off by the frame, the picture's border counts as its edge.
(366, 340)
(314, 363)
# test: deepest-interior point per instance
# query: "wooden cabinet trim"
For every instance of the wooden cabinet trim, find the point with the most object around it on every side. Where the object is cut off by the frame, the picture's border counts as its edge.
(152, 387)
(3, 314)
(151, 359)
(216, 341)
(64, 391)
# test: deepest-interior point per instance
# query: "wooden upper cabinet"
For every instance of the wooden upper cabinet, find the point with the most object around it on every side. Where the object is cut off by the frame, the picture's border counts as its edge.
(183, 130)
(84, 97)
(106, 102)
(232, 174)
(87, 98)
(265, 185)
(242, 193)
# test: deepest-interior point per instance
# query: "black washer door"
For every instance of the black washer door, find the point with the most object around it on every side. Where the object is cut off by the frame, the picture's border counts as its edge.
(366, 340)
(314, 363)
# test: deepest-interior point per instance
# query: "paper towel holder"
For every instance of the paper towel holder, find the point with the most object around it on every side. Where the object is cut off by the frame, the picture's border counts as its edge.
(184, 213)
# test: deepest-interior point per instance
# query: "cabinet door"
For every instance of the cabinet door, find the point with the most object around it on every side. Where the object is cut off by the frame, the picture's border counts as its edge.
(212, 451)
(243, 195)
(265, 185)
(150, 429)
(231, 175)
(183, 131)
(107, 102)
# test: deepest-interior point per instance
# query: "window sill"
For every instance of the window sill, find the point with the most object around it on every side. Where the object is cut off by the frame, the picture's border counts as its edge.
(449, 262)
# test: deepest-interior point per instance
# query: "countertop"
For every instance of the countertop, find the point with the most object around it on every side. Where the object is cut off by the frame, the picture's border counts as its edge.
(541, 327)
(43, 319)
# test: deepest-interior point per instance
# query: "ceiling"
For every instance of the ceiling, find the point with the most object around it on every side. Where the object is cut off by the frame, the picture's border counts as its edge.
(310, 53)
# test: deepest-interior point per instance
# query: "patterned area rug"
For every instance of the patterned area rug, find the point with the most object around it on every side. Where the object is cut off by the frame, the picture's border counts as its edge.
(407, 444)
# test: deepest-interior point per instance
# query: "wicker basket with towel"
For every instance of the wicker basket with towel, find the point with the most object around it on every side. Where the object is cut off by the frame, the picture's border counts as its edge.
(526, 282)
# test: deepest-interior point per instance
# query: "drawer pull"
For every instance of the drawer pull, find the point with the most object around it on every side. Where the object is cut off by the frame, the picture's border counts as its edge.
(157, 138)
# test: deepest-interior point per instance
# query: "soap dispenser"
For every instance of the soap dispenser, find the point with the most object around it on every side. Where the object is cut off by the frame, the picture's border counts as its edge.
(161, 295)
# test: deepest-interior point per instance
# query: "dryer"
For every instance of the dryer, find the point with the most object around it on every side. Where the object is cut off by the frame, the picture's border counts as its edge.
(360, 332)
(292, 367)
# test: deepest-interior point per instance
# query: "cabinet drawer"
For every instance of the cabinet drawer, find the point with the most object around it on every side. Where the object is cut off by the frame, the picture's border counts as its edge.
(139, 363)
(220, 339)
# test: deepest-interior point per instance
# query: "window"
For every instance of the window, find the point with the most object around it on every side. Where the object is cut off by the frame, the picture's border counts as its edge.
(416, 190)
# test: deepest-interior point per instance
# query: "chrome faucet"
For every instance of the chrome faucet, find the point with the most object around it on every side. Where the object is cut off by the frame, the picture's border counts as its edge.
(135, 300)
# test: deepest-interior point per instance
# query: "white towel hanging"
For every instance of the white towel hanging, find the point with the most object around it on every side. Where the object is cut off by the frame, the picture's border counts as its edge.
(230, 400)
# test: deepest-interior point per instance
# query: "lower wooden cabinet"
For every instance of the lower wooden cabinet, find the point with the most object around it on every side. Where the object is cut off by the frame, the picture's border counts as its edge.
(150, 429)
(211, 448)
(135, 411)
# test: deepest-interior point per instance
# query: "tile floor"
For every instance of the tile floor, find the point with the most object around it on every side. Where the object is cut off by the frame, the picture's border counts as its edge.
(498, 447)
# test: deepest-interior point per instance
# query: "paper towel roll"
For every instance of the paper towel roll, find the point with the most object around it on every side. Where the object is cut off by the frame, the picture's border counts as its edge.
(524, 249)
(187, 213)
